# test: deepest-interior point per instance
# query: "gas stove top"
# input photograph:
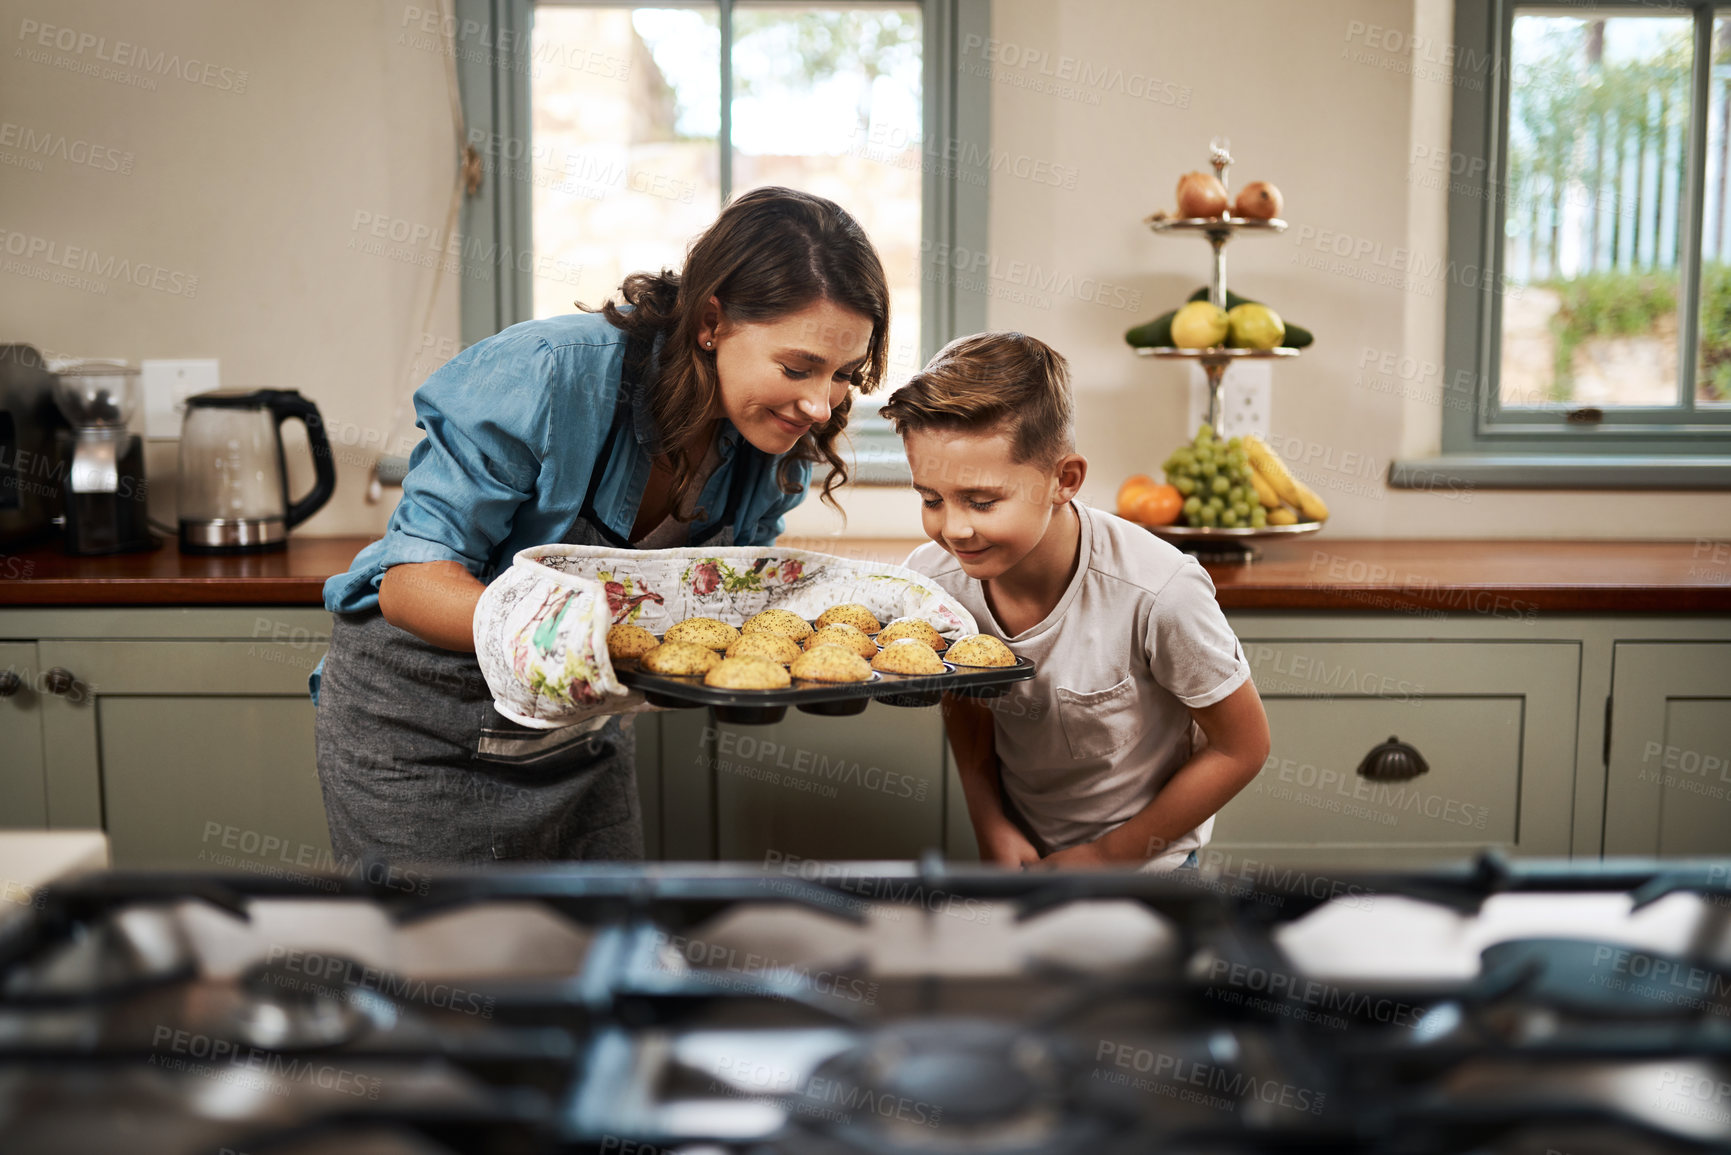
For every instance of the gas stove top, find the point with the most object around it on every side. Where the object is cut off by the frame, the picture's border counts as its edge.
(882, 1008)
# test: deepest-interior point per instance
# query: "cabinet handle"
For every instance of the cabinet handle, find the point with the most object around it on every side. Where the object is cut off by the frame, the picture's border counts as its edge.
(10, 683)
(59, 680)
(1392, 761)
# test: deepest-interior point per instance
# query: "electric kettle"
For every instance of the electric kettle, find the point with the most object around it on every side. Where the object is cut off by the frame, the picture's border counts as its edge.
(233, 480)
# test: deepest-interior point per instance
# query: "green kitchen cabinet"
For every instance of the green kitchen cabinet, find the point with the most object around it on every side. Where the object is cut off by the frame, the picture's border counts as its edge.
(186, 735)
(1668, 788)
(1493, 723)
(23, 777)
(866, 786)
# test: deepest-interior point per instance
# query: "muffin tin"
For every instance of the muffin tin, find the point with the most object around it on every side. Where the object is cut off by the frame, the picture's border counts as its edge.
(764, 707)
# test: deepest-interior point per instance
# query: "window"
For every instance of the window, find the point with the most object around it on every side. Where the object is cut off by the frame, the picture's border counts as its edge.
(631, 126)
(1588, 181)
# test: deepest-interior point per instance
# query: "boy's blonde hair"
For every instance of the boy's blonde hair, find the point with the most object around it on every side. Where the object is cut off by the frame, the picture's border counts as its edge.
(1001, 380)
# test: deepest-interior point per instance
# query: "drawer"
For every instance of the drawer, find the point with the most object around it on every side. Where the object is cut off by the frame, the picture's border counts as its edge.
(1494, 721)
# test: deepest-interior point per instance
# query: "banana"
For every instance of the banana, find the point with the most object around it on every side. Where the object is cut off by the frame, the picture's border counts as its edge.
(1311, 506)
(1282, 516)
(1264, 492)
(1264, 462)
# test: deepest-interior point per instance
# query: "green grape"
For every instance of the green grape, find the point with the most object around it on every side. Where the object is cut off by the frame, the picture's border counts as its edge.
(1259, 517)
(1208, 517)
(1215, 503)
(1204, 431)
(1184, 485)
(1192, 506)
(1208, 470)
(1235, 443)
(1236, 458)
(1219, 484)
(1235, 494)
(1229, 519)
(1184, 455)
(1242, 510)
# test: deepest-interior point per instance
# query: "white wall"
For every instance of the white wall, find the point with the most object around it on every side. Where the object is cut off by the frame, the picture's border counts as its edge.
(1314, 101)
(344, 112)
(250, 184)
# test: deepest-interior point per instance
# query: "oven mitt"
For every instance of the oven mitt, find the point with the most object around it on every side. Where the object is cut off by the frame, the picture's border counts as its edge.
(541, 626)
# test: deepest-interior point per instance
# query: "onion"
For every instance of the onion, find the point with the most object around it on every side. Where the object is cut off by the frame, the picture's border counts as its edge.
(1200, 194)
(1259, 201)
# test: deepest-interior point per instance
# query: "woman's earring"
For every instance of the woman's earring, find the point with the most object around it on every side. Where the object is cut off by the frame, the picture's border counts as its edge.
(709, 344)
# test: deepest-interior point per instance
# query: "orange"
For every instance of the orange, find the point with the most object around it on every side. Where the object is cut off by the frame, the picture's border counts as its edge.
(1130, 490)
(1156, 505)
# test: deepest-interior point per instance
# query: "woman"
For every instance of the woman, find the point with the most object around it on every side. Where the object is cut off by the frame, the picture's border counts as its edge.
(691, 415)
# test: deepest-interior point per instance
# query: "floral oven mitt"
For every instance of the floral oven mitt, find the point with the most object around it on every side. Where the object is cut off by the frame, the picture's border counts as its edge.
(541, 626)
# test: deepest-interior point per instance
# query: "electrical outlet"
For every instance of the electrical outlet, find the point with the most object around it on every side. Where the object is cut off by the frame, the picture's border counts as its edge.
(167, 385)
(1244, 400)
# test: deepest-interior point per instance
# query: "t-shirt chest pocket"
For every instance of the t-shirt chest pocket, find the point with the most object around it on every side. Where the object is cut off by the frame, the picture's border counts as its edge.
(1098, 722)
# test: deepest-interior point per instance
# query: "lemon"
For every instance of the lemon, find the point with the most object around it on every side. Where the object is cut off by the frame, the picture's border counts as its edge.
(1200, 325)
(1255, 326)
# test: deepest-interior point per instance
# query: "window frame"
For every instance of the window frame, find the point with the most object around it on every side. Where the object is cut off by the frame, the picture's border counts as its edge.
(1539, 447)
(954, 193)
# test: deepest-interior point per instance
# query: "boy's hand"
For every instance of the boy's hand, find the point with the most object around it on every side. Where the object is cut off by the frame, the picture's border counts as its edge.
(1009, 848)
(1084, 856)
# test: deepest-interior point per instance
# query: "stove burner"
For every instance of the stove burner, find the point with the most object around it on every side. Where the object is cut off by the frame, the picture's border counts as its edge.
(945, 1084)
(1598, 978)
(520, 1012)
(286, 1009)
(131, 949)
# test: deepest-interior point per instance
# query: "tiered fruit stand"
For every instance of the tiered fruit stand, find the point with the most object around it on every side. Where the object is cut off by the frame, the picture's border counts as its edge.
(1220, 543)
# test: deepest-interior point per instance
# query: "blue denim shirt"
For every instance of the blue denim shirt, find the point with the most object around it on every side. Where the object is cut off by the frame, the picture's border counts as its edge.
(516, 424)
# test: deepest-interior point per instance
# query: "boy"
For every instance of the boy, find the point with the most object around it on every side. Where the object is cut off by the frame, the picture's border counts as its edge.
(1141, 721)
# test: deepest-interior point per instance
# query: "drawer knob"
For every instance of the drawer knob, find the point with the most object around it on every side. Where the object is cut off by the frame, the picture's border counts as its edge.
(59, 680)
(1393, 761)
(10, 683)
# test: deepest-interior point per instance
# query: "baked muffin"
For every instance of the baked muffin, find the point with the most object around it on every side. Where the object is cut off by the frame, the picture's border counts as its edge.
(980, 650)
(715, 634)
(628, 641)
(917, 628)
(784, 622)
(845, 636)
(853, 614)
(831, 663)
(775, 647)
(747, 674)
(680, 658)
(908, 656)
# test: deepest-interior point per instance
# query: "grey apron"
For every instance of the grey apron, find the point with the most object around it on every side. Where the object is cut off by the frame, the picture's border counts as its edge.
(417, 766)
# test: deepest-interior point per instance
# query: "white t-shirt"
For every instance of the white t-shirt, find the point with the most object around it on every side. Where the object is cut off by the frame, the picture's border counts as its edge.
(1135, 641)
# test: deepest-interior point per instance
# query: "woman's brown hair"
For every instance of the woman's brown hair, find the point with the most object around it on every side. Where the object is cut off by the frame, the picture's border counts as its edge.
(772, 252)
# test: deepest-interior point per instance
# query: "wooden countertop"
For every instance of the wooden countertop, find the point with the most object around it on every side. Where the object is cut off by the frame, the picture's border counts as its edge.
(294, 575)
(1317, 573)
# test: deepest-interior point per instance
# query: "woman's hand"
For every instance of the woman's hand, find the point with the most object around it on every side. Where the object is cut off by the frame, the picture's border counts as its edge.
(434, 600)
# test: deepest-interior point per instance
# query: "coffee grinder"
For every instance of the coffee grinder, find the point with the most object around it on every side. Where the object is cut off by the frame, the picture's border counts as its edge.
(103, 478)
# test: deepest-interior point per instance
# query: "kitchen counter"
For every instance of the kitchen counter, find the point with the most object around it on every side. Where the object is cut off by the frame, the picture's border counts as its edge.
(1322, 573)
(1316, 573)
(46, 576)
